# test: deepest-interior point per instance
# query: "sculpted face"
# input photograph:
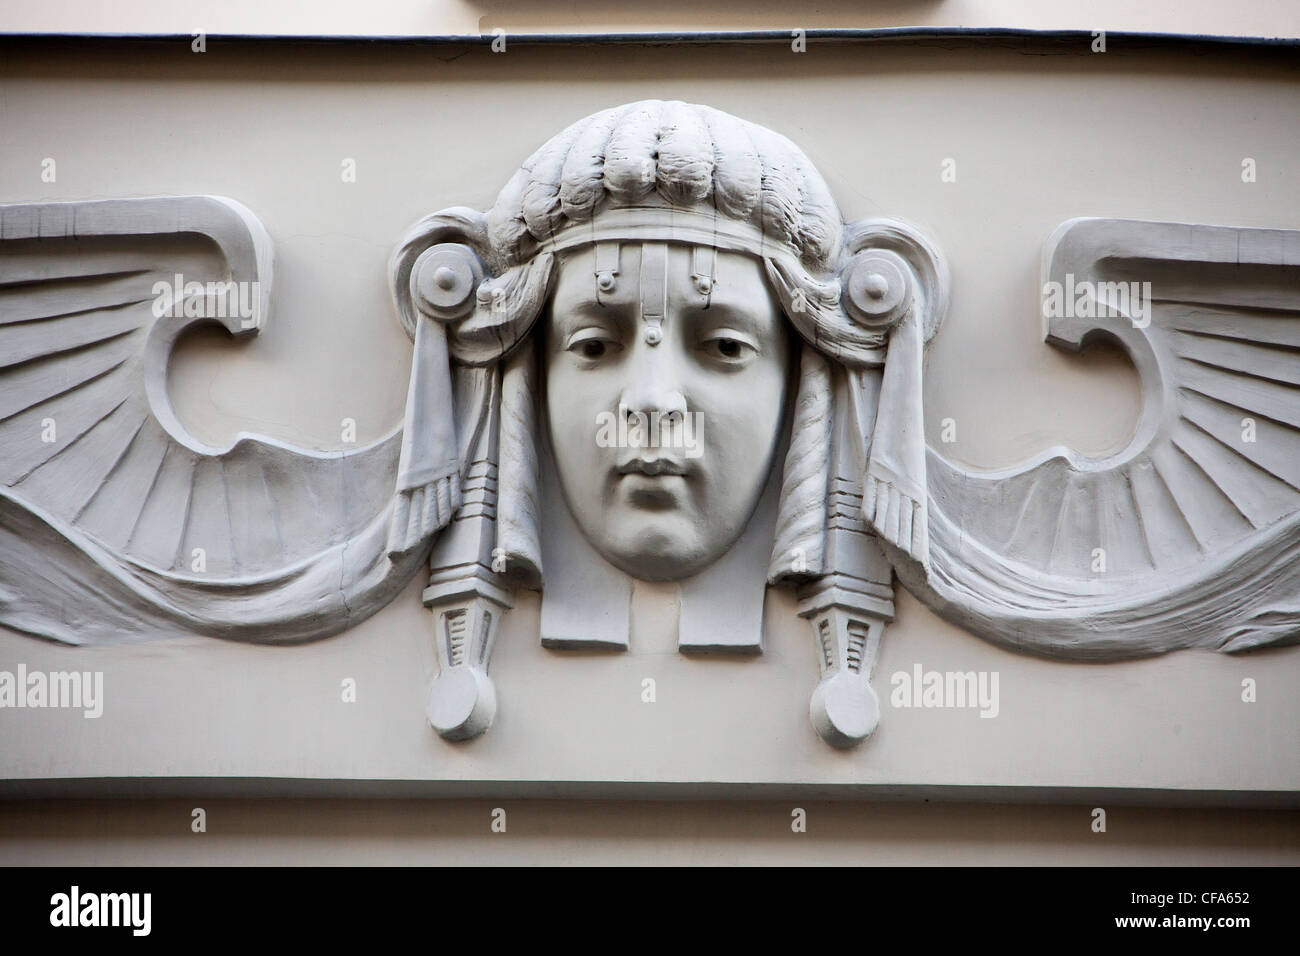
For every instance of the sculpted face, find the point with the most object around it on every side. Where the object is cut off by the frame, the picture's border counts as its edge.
(664, 427)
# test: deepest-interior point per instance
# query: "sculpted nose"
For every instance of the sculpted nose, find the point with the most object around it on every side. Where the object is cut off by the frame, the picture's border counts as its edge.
(652, 387)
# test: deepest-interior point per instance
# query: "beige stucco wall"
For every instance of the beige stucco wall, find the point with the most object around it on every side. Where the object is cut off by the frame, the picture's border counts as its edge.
(1262, 18)
(1143, 134)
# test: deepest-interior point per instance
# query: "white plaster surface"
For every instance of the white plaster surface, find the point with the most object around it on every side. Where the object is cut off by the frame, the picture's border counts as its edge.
(1037, 140)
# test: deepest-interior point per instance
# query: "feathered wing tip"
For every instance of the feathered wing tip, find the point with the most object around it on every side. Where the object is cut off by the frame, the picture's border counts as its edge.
(421, 511)
(1198, 527)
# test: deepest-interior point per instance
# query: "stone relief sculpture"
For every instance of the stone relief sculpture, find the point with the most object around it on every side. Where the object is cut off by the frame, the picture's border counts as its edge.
(661, 355)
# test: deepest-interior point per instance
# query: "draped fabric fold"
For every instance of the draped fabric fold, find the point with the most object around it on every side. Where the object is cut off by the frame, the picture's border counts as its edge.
(895, 499)
(428, 471)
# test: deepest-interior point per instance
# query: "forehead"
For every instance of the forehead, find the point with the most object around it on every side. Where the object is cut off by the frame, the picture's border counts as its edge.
(739, 280)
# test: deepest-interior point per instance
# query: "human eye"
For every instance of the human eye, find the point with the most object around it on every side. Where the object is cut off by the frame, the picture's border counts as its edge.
(728, 346)
(593, 344)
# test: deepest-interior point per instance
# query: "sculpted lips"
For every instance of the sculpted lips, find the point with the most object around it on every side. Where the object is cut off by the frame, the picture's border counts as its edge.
(651, 467)
(655, 484)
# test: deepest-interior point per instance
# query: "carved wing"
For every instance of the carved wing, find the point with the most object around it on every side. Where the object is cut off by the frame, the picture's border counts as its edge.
(1198, 519)
(105, 497)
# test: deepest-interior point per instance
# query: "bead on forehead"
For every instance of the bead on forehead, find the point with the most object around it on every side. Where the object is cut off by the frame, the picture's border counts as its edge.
(606, 268)
(654, 279)
(654, 290)
(704, 270)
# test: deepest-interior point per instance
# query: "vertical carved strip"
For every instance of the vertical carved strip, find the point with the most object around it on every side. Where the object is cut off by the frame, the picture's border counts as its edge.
(849, 605)
(465, 593)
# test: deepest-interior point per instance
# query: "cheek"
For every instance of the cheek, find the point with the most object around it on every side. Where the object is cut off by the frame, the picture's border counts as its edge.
(574, 398)
(742, 418)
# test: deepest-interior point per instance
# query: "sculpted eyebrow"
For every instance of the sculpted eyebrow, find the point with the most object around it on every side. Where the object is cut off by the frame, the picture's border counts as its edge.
(726, 313)
(588, 310)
